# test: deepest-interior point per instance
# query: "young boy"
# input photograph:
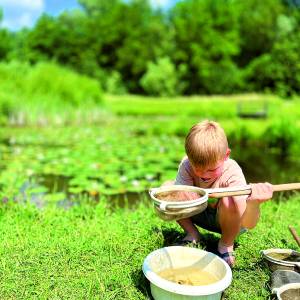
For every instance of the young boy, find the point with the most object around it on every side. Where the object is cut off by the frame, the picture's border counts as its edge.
(207, 165)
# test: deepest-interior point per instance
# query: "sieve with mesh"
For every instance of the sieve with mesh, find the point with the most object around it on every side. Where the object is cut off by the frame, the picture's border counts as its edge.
(175, 202)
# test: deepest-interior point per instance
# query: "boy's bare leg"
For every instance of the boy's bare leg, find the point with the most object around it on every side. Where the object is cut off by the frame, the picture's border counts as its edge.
(230, 219)
(192, 233)
(234, 215)
(251, 215)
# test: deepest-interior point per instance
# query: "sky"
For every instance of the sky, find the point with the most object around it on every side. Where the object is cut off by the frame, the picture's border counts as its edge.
(24, 13)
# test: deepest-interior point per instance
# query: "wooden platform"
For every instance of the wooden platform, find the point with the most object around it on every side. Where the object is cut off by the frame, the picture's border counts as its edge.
(252, 109)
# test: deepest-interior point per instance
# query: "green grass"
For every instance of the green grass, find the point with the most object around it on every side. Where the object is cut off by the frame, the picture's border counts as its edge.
(90, 252)
(47, 94)
(220, 107)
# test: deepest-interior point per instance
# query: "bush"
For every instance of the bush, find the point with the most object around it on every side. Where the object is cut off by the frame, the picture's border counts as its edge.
(68, 86)
(279, 70)
(114, 84)
(162, 78)
(7, 107)
(282, 134)
(48, 79)
(44, 91)
(12, 76)
(221, 78)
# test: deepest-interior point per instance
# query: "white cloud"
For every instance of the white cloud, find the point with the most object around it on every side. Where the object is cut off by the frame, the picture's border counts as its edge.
(27, 4)
(24, 20)
(20, 13)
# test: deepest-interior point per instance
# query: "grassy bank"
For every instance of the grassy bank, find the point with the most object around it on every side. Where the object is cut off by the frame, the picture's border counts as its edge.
(91, 252)
(218, 107)
(46, 93)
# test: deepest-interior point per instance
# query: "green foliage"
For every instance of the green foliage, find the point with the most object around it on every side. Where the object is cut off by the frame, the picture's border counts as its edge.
(65, 84)
(48, 79)
(7, 107)
(162, 79)
(35, 91)
(278, 71)
(257, 27)
(207, 44)
(5, 41)
(283, 134)
(225, 47)
(145, 37)
(114, 84)
(222, 78)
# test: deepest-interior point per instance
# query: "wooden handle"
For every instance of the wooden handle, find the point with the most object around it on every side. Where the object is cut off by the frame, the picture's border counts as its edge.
(229, 193)
(295, 235)
(246, 190)
(286, 187)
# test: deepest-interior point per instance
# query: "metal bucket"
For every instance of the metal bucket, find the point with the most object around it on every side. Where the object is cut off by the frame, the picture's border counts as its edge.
(289, 291)
(276, 261)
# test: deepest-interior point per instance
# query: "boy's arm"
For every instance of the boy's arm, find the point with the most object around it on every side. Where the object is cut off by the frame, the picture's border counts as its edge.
(237, 179)
(261, 192)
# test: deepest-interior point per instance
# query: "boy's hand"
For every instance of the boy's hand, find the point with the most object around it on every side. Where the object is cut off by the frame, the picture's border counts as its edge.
(261, 192)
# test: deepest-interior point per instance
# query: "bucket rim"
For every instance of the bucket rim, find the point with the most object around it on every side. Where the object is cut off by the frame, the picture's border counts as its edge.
(278, 261)
(285, 287)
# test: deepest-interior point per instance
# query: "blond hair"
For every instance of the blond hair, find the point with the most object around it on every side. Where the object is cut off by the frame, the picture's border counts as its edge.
(206, 144)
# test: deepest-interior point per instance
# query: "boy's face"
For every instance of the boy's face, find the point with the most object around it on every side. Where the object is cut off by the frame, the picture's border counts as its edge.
(212, 172)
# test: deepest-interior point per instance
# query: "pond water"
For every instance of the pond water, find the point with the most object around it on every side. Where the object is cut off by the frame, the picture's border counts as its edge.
(66, 165)
(261, 165)
(257, 167)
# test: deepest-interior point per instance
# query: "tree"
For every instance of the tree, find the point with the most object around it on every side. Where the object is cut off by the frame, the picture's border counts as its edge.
(127, 36)
(207, 40)
(6, 40)
(258, 24)
(279, 69)
(162, 78)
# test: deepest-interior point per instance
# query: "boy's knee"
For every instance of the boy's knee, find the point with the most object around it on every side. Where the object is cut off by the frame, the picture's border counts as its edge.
(248, 227)
(227, 204)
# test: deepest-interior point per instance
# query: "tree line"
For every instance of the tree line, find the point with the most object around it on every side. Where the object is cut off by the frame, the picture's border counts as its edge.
(195, 47)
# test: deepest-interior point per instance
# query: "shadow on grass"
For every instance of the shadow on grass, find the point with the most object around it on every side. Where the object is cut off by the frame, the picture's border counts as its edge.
(209, 241)
(141, 283)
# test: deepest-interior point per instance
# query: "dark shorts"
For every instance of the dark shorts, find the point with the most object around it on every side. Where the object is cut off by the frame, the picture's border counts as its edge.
(208, 219)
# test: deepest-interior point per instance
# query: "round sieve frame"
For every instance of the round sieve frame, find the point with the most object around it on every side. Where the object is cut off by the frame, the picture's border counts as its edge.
(164, 205)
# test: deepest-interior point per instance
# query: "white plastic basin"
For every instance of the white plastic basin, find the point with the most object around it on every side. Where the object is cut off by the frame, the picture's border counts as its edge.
(180, 257)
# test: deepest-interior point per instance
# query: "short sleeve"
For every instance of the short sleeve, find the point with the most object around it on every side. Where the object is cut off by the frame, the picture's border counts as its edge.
(183, 175)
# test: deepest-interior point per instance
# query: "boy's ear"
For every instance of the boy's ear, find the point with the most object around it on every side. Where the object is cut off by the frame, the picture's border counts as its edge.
(228, 151)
